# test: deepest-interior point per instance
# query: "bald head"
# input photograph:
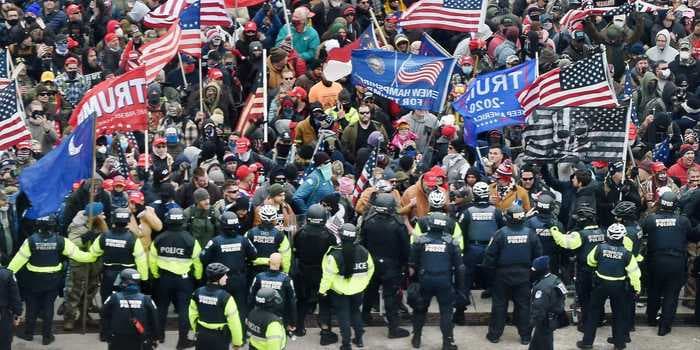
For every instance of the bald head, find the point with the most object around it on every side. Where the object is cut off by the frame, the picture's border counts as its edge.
(275, 261)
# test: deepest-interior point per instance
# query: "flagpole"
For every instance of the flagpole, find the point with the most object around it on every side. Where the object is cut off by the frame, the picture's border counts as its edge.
(201, 91)
(182, 70)
(379, 29)
(20, 102)
(264, 83)
(286, 20)
(145, 146)
(91, 199)
(626, 146)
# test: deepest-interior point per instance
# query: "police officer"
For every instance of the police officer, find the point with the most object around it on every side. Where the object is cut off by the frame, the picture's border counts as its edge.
(386, 238)
(42, 253)
(436, 201)
(541, 223)
(546, 304)
(279, 281)
(435, 259)
(613, 265)
(668, 236)
(236, 252)
(119, 249)
(267, 239)
(626, 213)
(510, 254)
(310, 244)
(347, 270)
(129, 319)
(265, 328)
(586, 236)
(174, 253)
(10, 306)
(480, 222)
(213, 312)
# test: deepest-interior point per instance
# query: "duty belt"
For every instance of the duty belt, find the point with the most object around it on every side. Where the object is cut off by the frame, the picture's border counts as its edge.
(479, 242)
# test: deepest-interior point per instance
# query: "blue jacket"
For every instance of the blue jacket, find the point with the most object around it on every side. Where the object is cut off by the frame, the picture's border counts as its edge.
(305, 44)
(269, 31)
(311, 191)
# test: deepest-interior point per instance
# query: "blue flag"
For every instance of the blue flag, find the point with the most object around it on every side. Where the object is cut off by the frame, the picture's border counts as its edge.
(430, 47)
(47, 182)
(412, 81)
(662, 151)
(490, 101)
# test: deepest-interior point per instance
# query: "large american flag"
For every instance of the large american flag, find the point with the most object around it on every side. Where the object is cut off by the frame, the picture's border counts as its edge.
(164, 15)
(157, 53)
(455, 15)
(129, 59)
(577, 15)
(410, 73)
(12, 127)
(252, 110)
(561, 133)
(213, 13)
(582, 84)
(191, 39)
(5, 72)
(364, 176)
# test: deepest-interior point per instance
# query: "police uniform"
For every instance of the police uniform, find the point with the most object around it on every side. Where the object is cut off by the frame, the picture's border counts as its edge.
(546, 305)
(214, 318)
(668, 235)
(265, 328)
(510, 254)
(267, 240)
(43, 255)
(129, 320)
(280, 282)
(613, 265)
(386, 238)
(173, 256)
(436, 259)
(310, 245)
(119, 249)
(10, 306)
(541, 223)
(346, 292)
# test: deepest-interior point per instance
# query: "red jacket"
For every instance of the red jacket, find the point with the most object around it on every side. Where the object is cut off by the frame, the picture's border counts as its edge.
(680, 171)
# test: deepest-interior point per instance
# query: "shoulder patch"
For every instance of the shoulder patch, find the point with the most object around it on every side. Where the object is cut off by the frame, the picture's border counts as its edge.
(209, 244)
(562, 288)
(538, 294)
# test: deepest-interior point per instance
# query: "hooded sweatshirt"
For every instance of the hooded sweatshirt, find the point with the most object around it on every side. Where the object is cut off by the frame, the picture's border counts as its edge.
(667, 54)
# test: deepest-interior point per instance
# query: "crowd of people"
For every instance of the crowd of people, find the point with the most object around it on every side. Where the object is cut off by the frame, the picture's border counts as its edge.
(246, 230)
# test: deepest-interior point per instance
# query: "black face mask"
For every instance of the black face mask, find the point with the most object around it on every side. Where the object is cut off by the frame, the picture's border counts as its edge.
(140, 208)
(142, 173)
(282, 149)
(12, 22)
(72, 75)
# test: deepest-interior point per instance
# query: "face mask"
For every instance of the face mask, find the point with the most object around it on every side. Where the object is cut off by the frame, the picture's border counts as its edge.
(12, 22)
(326, 171)
(684, 55)
(72, 75)
(467, 70)
(102, 149)
(119, 32)
(62, 48)
(124, 144)
(666, 73)
(661, 177)
(282, 149)
(548, 25)
(288, 112)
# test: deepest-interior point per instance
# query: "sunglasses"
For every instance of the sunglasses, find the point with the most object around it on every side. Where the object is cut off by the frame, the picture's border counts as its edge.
(48, 93)
(527, 178)
(161, 146)
(365, 113)
(292, 78)
(232, 191)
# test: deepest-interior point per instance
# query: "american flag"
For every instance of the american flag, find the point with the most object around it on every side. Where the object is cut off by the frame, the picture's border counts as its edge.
(252, 110)
(122, 164)
(456, 15)
(574, 16)
(213, 13)
(410, 73)
(641, 6)
(4, 68)
(364, 176)
(627, 91)
(164, 15)
(561, 133)
(157, 53)
(129, 59)
(191, 39)
(662, 151)
(582, 84)
(12, 127)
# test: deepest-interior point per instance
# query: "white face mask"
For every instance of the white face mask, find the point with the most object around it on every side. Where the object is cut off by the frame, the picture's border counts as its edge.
(666, 73)
(684, 55)
(547, 26)
(119, 32)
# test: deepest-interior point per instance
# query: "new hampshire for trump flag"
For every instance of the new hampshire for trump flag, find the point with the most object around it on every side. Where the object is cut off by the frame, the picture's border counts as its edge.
(49, 180)
(490, 101)
(412, 81)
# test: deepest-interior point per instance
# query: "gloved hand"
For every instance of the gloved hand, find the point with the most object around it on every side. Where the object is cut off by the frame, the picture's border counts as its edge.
(89, 236)
(634, 172)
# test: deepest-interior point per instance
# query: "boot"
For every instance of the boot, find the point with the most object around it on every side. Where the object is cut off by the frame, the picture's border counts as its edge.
(663, 330)
(398, 332)
(449, 344)
(358, 342)
(68, 325)
(415, 341)
(48, 339)
(459, 318)
(581, 345)
(25, 336)
(300, 332)
(345, 347)
(184, 343)
(328, 337)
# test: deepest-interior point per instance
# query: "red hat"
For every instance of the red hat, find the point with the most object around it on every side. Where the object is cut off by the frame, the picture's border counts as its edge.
(112, 25)
(72, 43)
(107, 185)
(466, 60)
(298, 92)
(215, 74)
(392, 19)
(131, 186)
(72, 9)
(242, 172)
(142, 160)
(505, 170)
(24, 145)
(348, 11)
(76, 185)
(429, 179)
(475, 44)
(599, 163)
(136, 197)
(448, 131)
(438, 171)
(111, 37)
(71, 60)
(159, 141)
(119, 181)
(657, 167)
(250, 26)
(242, 145)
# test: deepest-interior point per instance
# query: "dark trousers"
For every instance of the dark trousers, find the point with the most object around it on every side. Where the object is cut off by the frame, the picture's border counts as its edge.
(173, 288)
(124, 342)
(502, 291)
(584, 288)
(347, 311)
(617, 292)
(473, 275)
(6, 333)
(236, 286)
(667, 274)
(209, 339)
(306, 282)
(109, 275)
(41, 302)
(441, 288)
(388, 276)
(542, 338)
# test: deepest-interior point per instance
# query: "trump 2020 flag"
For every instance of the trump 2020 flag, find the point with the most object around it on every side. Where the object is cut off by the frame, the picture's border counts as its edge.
(47, 182)
(412, 81)
(490, 101)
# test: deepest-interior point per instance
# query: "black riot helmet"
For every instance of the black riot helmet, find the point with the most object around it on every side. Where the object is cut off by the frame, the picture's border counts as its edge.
(121, 217)
(215, 271)
(385, 203)
(667, 201)
(437, 222)
(316, 215)
(625, 210)
(515, 215)
(175, 217)
(128, 277)
(229, 223)
(545, 203)
(585, 214)
(268, 298)
(46, 224)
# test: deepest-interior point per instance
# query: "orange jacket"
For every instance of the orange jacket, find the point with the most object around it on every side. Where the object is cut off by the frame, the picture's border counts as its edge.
(515, 192)
(416, 191)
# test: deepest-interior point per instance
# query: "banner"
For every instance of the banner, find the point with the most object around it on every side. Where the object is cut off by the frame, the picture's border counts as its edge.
(430, 47)
(412, 81)
(490, 100)
(119, 104)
